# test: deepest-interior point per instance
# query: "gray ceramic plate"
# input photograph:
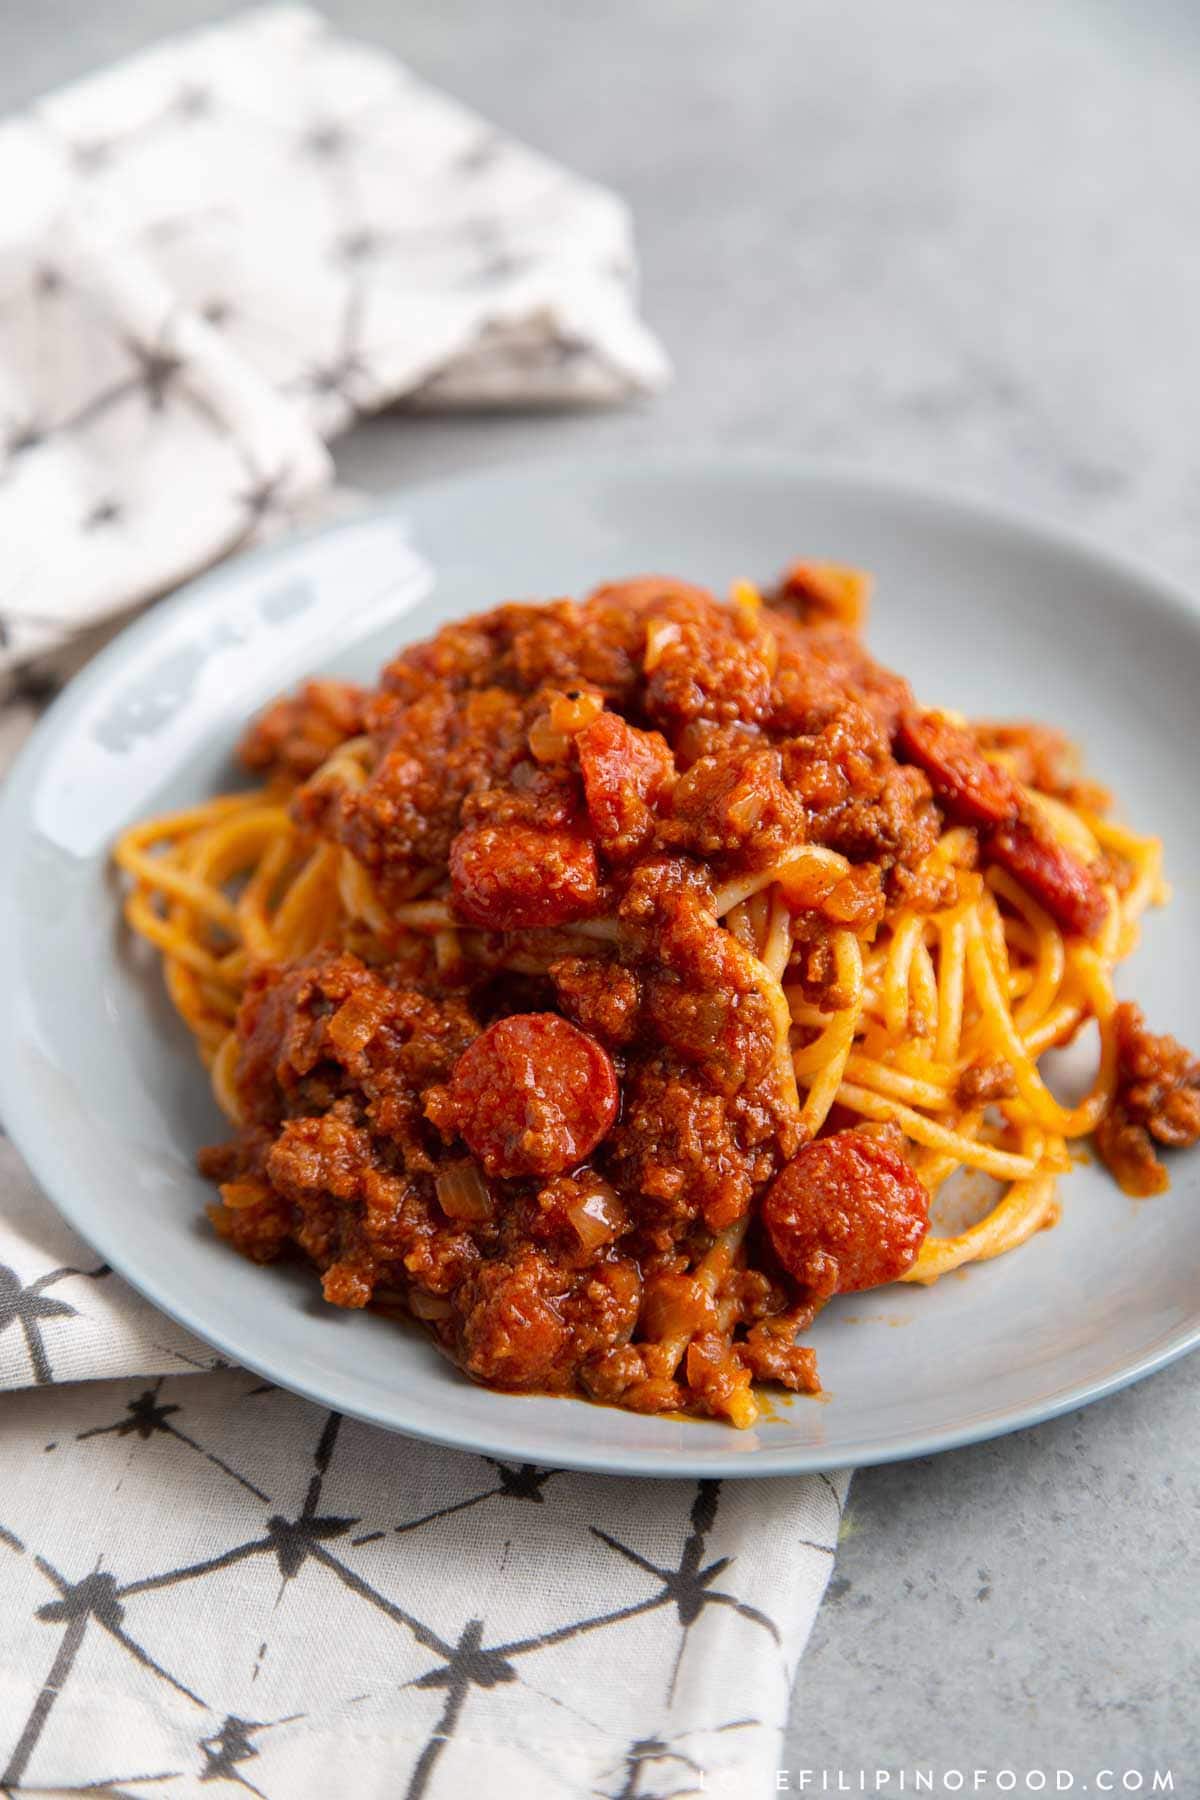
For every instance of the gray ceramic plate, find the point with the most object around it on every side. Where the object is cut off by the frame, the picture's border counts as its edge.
(97, 1079)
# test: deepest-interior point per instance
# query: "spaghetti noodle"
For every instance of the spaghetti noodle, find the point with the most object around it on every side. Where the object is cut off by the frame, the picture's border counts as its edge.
(619, 981)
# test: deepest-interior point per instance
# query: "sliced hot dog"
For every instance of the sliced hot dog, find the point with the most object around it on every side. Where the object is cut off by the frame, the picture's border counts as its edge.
(976, 791)
(533, 1095)
(847, 1212)
(982, 794)
(515, 877)
(1055, 878)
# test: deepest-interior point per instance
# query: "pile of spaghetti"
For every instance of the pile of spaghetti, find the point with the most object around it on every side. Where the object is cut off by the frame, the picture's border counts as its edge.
(620, 980)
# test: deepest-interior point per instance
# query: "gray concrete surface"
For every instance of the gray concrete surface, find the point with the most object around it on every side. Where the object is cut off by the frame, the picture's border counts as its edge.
(957, 237)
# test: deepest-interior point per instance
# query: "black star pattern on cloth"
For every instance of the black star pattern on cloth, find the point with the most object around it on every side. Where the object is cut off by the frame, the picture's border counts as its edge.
(499, 266)
(155, 372)
(36, 687)
(689, 1586)
(326, 140)
(148, 1416)
(157, 369)
(207, 1365)
(518, 1481)
(234, 1744)
(90, 156)
(345, 366)
(482, 154)
(192, 102)
(471, 1662)
(100, 1597)
(358, 246)
(265, 495)
(467, 1665)
(23, 435)
(105, 512)
(338, 375)
(303, 1541)
(95, 1600)
(293, 1542)
(30, 1307)
(522, 1481)
(645, 1752)
(641, 1755)
(497, 259)
(563, 348)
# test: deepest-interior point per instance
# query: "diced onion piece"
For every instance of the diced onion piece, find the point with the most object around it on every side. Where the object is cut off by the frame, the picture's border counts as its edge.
(660, 635)
(428, 1306)
(546, 743)
(746, 809)
(570, 712)
(741, 1408)
(832, 590)
(237, 1195)
(355, 1022)
(746, 603)
(463, 1193)
(449, 953)
(674, 1307)
(220, 1218)
(806, 887)
(598, 1216)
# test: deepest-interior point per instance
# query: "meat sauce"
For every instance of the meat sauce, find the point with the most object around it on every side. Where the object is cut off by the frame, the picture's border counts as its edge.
(533, 1147)
(1157, 1103)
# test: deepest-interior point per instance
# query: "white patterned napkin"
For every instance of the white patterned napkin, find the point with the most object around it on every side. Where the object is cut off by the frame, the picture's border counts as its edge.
(214, 257)
(211, 259)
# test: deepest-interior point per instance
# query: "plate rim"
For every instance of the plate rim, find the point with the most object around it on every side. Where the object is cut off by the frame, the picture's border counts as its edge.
(26, 1123)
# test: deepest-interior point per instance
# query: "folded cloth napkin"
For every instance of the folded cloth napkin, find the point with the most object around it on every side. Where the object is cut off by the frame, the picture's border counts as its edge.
(216, 256)
(212, 259)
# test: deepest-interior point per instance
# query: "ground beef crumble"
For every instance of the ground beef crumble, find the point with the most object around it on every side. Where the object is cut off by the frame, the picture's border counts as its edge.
(1157, 1103)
